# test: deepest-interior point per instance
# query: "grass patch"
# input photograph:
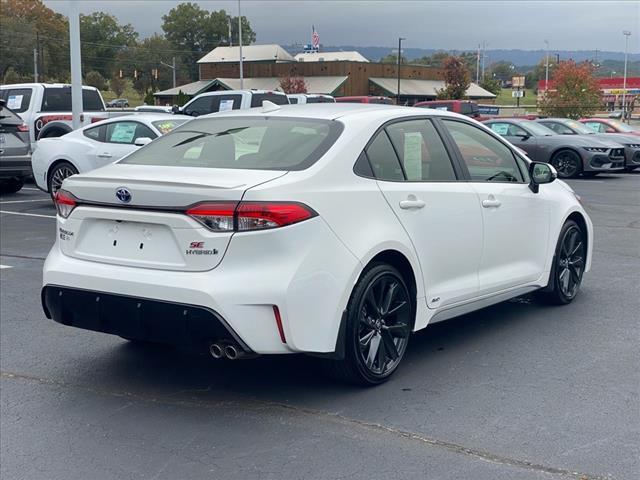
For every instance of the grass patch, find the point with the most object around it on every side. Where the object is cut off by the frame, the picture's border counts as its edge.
(505, 98)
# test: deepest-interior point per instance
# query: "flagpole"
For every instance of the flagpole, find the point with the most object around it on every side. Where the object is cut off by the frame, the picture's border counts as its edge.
(240, 45)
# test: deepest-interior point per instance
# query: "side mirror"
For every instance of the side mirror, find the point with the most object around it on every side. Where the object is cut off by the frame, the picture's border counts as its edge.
(540, 174)
(524, 136)
(175, 109)
(141, 141)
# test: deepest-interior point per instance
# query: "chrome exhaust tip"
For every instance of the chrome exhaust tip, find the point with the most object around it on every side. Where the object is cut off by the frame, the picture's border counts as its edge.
(216, 350)
(231, 352)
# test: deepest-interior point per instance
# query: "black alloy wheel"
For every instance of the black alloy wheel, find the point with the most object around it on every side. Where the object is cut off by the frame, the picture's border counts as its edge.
(568, 163)
(61, 171)
(568, 266)
(379, 322)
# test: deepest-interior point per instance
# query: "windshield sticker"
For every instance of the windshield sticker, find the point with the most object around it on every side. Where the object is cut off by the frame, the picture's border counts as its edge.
(226, 105)
(165, 127)
(123, 132)
(14, 102)
(500, 128)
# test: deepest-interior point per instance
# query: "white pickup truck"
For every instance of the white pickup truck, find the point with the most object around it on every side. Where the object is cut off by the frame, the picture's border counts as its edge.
(46, 107)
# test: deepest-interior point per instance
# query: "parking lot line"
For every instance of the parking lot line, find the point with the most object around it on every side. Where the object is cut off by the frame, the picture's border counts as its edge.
(31, 188)
(27, 214)
(26, 201)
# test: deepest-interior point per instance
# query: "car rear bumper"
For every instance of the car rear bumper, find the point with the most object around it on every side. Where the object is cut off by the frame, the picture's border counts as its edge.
(15, 166)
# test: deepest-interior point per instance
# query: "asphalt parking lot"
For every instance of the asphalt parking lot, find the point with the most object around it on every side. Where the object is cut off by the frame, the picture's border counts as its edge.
(515, 391)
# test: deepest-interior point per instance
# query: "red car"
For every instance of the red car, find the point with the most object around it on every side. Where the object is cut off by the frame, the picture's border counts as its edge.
(365, 99)
(464, 107)
(609, 125)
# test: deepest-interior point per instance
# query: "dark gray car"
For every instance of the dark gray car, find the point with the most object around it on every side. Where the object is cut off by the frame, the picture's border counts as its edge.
(15, 155)
(631, 143)
(570, 155)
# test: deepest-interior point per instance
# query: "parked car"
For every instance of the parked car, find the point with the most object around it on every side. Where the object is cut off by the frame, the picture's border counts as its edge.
(339, 232)
(96, 145)
(46, 108)
(631, 144)
(365, 99)
(609, 125)
(570, 155)
(118, 103)
(220, 101)
(309, 98)
(464, 107)
(15, 161)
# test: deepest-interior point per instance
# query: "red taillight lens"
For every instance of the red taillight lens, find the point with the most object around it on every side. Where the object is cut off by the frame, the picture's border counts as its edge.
(65, 203)
(249, 216)
(23, 128)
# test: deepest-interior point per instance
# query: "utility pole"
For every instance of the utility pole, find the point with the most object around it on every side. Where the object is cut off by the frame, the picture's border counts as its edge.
(172, 67)
(478, 66)
(240, 45)
(229, 25)
(484, 55)
(76, 68)
(35, 65)
(546, 74)
(400, 39)
(626, 34)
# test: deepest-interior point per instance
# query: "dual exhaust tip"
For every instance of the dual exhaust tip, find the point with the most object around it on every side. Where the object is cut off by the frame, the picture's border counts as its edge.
(225, 350)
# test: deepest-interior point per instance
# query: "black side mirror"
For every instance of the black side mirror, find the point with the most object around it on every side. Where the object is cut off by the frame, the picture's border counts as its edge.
(175, 109)
(524, 136)
(540, 174)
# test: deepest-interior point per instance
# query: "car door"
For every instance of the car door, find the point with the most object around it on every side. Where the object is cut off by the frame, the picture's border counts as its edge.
(440, 214)
(516, 220)
(119, 140)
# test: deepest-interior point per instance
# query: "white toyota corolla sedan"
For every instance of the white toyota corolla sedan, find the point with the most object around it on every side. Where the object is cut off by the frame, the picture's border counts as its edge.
(333, 229)
(95, 145)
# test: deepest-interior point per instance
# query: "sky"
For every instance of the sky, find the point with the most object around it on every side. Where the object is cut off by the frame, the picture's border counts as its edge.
(448, 25)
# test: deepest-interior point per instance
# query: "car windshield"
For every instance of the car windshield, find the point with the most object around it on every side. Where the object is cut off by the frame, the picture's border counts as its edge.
(535, 128)
(622, 127)
(252, 143)
(165, 126)
(579, 127)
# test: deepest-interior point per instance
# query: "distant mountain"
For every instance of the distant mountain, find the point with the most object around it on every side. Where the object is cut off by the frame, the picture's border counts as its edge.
(517, 57)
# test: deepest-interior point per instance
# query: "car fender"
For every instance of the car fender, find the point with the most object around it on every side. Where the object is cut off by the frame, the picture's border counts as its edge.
(54, 129)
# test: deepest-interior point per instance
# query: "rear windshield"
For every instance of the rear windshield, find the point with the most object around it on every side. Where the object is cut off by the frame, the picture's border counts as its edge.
(250, 143)
(320, 100)
(58, 99)
(258, 98)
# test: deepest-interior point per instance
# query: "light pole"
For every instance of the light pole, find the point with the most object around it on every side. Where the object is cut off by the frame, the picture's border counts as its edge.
(240, 45)
(546, 75)
(626, 34)
(400, 39)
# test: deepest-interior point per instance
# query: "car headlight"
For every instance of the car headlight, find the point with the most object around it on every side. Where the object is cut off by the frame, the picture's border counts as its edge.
(596, 149)
(633, 145)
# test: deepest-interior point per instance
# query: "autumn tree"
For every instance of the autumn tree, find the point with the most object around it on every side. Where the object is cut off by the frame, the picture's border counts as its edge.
(456, 79)
(574, 91)
(290, 84)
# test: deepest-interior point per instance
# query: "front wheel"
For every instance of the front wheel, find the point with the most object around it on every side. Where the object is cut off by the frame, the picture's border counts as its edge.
(568, 266)
(567, 163)
(380, 316)
(57, 175)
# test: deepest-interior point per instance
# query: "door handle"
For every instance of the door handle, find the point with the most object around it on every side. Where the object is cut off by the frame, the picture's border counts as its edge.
(411, 204)
(491, 202)
(105, 155)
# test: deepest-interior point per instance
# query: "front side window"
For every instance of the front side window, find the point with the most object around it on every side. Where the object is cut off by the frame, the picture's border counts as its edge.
(223, 103)
(127, 132)
(199, 106)
(421, 151)
(486, 158)
(249, 143)
(559, 128)
(596, 127)
(383, 159)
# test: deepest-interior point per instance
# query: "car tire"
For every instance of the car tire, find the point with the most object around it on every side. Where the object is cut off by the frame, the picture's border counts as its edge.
(57, 175)
(567, 163)
(11, 185)
(379, 319)
(567, 268)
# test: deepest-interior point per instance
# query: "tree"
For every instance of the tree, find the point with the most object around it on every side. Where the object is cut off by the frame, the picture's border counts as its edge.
(502, 71)
(575, 93)
(102, 38)
(393, 58)
(456, 79)
(493, 85)
(539, 71)
(11, 76)
(290, 84)
(149, 99)
(195, 31)
(181, 98)
(117, 85)
(94, 79)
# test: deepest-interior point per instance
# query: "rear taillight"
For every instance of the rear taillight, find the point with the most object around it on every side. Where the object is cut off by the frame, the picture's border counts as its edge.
(65, 203)
(249, 216)
(23, 128)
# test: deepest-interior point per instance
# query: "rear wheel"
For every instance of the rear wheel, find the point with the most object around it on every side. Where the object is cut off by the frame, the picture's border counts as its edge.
(57, 175)
(568, 266)
(568, 163)
(380, 315)
(11, 185)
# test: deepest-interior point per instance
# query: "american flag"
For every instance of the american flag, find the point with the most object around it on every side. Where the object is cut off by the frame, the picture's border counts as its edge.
(315, 38)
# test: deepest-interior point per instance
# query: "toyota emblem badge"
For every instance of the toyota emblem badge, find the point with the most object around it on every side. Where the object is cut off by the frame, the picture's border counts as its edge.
(123, 194)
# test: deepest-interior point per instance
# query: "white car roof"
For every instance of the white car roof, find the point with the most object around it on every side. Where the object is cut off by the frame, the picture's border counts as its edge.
(139, 117)
(236, 92)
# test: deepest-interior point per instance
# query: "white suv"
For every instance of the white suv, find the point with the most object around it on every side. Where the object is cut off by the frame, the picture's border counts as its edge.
(334, 230)
(223, 100)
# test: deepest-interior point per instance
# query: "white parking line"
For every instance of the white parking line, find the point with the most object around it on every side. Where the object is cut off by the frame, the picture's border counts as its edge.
(30, 188)
(2, 267)
(2, 202)
(27, 214)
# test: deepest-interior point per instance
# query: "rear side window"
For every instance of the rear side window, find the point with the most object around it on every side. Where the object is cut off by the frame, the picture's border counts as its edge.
(293, 100)
(258, 98)
(58, 99)
(18, 99)
(383, 159)
(95, 133)
(486, 158)
(250, 143)
(421, 151)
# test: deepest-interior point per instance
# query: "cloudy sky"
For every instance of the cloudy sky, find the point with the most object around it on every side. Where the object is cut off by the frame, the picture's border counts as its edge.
(459, 25)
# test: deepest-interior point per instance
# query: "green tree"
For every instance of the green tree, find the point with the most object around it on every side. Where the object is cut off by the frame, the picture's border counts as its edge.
(492, 85)
(11, 76)
(149, 99)
(117, 85)
(575, 93)
(393, 58)
(94, 79)
(181, 98)
(456, 79)
(102, 39)
(195, 31)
